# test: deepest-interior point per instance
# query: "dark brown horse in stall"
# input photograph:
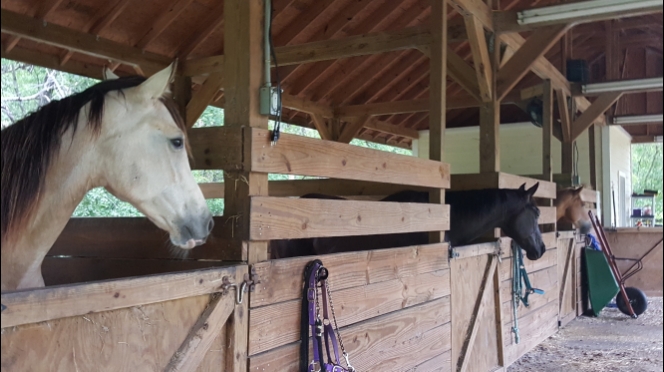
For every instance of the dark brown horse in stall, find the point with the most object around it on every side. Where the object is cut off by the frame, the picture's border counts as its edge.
(472, 214)
(570, 208)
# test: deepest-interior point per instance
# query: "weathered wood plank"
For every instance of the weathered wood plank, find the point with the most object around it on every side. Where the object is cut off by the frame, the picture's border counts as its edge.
(286, 218)
(389, 341)
(206, 152)
(549, 239)
(137, 338)
(281, 280)
(474, 250)
(534, 328)
(550, 258)
(545, 278)
(276, 325)
(42, 304)
(502, 181)
(202, 334)
(440, 363)
(311, 157)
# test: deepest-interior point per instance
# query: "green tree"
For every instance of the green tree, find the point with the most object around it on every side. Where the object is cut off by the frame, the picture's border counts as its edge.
(647, 174)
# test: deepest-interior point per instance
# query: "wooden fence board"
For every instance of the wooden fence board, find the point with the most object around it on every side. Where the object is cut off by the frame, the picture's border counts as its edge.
(533, 329)
(42, 304)
(439, 363)
(277, 325)
(501, 180)
(389, 341)
(140, 338)
(312, 157)
(542, 278)
(550, 258)
(287, 218)
(549, 239)
(281, 280)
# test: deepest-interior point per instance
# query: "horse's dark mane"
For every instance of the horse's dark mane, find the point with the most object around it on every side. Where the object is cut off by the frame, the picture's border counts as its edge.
(28, 146)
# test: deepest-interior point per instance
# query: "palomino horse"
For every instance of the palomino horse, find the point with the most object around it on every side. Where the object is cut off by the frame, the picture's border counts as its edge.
(472, 214)
(124, 134)
(571, 209)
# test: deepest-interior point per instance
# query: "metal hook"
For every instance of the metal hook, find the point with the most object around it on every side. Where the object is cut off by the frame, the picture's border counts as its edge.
(239, 296)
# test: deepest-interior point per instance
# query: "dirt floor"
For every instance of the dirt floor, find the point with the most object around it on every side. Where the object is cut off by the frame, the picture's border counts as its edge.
(610, 342)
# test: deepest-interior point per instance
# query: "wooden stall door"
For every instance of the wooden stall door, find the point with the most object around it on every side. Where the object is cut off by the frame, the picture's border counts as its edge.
(476, 319)
(567, 277)
(166, 322)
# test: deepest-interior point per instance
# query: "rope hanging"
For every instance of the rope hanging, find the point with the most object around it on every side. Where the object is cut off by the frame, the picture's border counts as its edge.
(519, 281)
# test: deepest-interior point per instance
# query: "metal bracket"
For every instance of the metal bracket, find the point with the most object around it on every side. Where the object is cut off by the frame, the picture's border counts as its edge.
(248, 284)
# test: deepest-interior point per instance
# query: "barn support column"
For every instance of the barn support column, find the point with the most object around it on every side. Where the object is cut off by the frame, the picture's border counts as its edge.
(547, 130)
(437, 95)
(243, 76)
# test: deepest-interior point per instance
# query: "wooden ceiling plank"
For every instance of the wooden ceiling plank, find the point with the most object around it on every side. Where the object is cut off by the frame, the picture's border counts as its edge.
(63, 37)
(40, 11)
(594, 111)
(481, 61)
(163, 21)
(99, 22)
(525, 57)
(213, 21)
(321, 126)
(303, 105)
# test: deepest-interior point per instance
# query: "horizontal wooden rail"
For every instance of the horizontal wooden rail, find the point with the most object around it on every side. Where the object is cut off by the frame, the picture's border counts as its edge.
(287, 218)
(501, 180)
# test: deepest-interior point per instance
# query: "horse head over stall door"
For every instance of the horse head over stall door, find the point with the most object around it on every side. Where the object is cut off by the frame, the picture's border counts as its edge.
(472, 214)
(570, 208)
(124, 134)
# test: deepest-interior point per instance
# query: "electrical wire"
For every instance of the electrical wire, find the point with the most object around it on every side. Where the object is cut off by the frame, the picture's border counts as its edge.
(277, 125)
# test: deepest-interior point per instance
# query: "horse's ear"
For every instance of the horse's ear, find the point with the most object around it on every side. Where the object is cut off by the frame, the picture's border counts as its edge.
(578, 190)
(109, 75)
(157, 85)
(531, 191)
(522, 188)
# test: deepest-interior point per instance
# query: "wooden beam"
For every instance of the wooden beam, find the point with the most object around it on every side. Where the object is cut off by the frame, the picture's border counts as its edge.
(39, 11)
(201, 98)
(197, 343)
(547, 131)
(565, 118)
(506, 21)
(88, 44)
(352, 128)
(352, 46)
(383, 127)
(202, 66)
(288, 218)
(490, 137)
(384, 108)
(53, 62)
(592, 132)
(474, 8)
(303, 105)
(481, 59)
(321, 126)
(518, 66)
(462, 73)
(596, 109)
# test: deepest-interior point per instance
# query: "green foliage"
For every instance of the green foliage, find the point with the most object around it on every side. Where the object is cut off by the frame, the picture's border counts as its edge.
(647, 174)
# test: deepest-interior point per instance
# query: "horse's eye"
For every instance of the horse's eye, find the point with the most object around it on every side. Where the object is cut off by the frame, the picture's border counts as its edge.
(177, 143)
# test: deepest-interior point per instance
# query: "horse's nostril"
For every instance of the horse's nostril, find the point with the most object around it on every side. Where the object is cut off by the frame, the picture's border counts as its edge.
(210, 225)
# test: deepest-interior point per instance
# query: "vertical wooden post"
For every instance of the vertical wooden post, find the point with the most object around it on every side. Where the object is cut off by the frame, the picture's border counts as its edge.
(490, 120)
(243, 76)
(437, 94)
(567, 152)
(182, 94)
(592, 153)
(547, 131)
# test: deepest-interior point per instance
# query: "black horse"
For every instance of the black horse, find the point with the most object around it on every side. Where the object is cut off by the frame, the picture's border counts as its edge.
(472, 214)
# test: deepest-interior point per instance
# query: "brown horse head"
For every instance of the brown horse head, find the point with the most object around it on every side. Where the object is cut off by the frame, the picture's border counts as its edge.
(571, 208)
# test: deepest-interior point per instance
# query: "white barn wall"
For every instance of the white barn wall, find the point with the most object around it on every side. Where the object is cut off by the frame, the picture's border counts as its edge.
(520, 150)
(617, 143)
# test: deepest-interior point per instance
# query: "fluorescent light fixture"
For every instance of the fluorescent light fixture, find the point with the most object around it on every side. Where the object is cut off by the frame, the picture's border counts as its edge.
(582, 9)
(624, 85)
(638, 119)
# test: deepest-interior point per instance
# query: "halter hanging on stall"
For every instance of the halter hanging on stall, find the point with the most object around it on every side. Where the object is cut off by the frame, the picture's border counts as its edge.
(315, 273)
(519, 280)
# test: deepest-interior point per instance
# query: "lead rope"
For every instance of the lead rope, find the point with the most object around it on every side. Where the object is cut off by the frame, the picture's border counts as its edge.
(336, 330)
(519, 275)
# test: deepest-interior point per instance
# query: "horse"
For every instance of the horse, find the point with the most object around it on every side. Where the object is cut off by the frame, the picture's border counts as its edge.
(571, 209)
(124, 134)
(472, 214)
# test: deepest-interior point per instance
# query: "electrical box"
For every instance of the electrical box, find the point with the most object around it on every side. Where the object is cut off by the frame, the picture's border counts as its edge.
(269, 101)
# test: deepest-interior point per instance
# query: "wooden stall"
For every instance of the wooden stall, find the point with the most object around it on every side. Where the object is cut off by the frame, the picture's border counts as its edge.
(482, 337)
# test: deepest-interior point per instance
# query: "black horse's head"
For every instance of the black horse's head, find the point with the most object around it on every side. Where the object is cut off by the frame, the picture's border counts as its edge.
(523, 227)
